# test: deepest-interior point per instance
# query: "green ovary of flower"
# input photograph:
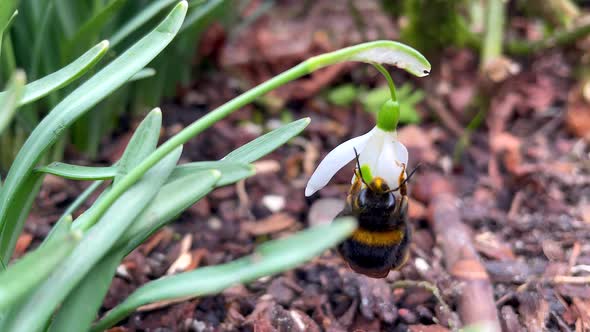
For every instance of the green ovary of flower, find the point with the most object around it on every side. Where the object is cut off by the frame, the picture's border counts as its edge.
(388, 116)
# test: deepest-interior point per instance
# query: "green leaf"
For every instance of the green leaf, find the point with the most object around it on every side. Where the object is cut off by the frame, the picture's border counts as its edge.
(142, 143)
(80, 307)
(7, 9)
(144, 73)
(90, 31)
(10, 99)
(231, 172)
(62, 227)
(57, 80)
(267, 143)
(173, 198)
(146, 14)
(270, 258)
(24, 199)
(38, 307)
(81, 198)
(4, 26)
(28, 272)
(71, 108)
(196, 16)
(76, 172)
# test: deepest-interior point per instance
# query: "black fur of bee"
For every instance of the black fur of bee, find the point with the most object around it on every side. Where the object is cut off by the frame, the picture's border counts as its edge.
(382, 240)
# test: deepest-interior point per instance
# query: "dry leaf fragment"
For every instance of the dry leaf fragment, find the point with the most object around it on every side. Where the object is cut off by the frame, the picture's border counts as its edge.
(185, 258)
(275, 223)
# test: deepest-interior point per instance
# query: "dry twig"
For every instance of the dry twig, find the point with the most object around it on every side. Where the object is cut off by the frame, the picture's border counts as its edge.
(476, 299)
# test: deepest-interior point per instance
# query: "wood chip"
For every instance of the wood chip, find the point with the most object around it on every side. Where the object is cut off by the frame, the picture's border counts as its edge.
(266, 166)
(22, 244)
(184, 259)
(275, 223)
(163, 235)
(488, 244)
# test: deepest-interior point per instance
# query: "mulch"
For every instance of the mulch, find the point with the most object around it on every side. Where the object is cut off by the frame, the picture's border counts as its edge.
(501, 222)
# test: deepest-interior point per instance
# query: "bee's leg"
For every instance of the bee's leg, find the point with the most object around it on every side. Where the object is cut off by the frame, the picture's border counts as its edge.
(403, 208)
(356, 185)
(402, 202)
(404, 259)
(354, 189)
(403, 188)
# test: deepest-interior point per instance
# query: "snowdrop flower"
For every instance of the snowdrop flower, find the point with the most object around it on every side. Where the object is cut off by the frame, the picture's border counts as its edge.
(379, 152)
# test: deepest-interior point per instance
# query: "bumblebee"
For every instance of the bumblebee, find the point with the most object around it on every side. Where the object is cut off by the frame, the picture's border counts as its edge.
(382, 240)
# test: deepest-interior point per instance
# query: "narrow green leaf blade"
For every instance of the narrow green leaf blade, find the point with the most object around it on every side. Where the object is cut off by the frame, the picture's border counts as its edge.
(90, 31)
(173, 198)
(9, 100)
(76, 172)
(267, 143)
(57, 80)
(80, 307)
(81, 198)
(37, 309)
(231, 172)
(149, 12)
(142, 143)
(200, 13)
(7, 8)
(144, 73)
(4, 27)
(78, 311)
(71, 108)
(270, 258)
(33, 268)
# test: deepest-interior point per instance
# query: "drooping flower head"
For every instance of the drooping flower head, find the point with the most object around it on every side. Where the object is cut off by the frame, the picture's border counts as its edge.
(381, 155)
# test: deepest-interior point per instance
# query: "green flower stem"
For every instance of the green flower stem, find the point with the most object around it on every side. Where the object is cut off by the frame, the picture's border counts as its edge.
(192, 130)
(82, 198)
(492, 45)
(418, 65)
(385, 73)
(388, 116)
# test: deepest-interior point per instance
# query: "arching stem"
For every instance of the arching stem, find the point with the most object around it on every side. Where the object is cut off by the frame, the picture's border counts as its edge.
(385, 73)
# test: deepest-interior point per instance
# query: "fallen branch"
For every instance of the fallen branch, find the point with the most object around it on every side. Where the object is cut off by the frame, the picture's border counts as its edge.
(476, 298)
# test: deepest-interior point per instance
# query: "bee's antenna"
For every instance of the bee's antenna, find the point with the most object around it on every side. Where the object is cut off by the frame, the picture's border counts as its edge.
(358, 166)
(406, 179)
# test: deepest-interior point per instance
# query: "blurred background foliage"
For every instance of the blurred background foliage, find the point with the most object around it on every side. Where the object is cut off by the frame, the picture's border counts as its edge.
(47, 35)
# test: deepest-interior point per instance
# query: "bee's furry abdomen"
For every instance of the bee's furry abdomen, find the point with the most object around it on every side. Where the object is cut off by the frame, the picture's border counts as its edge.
(375, 260)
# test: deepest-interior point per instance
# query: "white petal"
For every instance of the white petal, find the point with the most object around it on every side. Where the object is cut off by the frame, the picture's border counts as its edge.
(334, 161)
(388, 167)
(401, 152)
(370, 154)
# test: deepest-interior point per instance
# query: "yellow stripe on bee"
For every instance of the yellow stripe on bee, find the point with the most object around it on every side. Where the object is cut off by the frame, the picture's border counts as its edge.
(373, 238)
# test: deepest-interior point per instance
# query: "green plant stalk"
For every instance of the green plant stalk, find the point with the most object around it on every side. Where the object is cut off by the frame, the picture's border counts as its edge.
(390, 83)
(82, 198)
(492, 45)
(388, 116)
(420, 67)
(194, 129)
